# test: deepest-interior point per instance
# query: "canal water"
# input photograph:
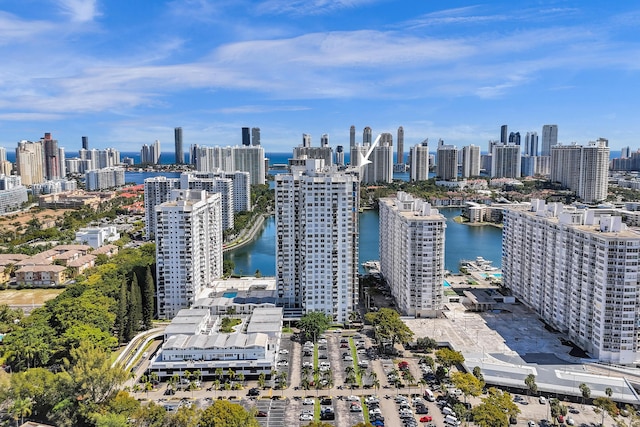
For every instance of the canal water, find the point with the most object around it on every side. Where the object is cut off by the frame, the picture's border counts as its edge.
(461, 242)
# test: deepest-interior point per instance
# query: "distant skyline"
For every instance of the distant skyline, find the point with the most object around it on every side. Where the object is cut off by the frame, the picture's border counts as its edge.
(125, 73)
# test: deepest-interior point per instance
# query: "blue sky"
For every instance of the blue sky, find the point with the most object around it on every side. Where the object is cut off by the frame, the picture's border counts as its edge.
(126, 73)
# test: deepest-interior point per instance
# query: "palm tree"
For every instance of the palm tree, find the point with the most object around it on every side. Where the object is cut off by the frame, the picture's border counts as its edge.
(219, 373)
(21, 408)
(376, 384)
(216, 384)
(349, 370)
(409, 378)
(306, 371)
(231, 374)
(198, 375)
(305, 383)
(262, 380)
(241, 378)
(608, 391)
(423, 383)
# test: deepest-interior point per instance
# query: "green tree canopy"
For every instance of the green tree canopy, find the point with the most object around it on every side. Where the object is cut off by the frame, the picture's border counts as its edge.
(389, 327)
(226, 414)
(495, 409)
(447, 357)
(313, 324)
(467, 383)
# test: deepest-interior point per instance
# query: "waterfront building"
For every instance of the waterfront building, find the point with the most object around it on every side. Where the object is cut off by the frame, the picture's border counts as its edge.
(549, 139)
(317, 210)
(419, 161)
(470, 161)
(179, 150)
(231, 159)
(85, 142)
(412, 239)
(234, 188)
(583, 169)
(324, 140)
(150, 154)
(102, 179)
(380, 168)
(367, 136)
(303, 152)
(447, 162)
(188, 248)
(54, 186)
(578, 269)
(531, 144)
(505, 161)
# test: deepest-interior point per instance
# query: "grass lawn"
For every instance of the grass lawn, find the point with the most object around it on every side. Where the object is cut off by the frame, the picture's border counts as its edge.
(28, 296)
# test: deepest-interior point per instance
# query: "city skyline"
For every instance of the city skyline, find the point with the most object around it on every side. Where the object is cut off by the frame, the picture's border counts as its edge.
(126, 74)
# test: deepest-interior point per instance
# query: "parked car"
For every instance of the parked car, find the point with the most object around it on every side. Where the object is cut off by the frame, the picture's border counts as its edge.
(426, 419)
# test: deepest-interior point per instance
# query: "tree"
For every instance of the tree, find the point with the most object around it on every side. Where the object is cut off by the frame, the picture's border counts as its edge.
(262, 380)
(121, 318)
(21, 408)
(606, 405)
(226, 414)
(134, 308)
(530, 382)
(468, 384)
(608, 391)
(477, 372)
(557, 408)
(314, 324)
(389, 328)
(447, 357)
(148, 299)
(426, 344)
(185, 416)
(495, 410)
(585, 391)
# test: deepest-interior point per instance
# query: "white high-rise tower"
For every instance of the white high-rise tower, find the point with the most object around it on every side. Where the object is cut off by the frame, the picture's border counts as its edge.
(188, 248)
(317, 239)
(412, 253)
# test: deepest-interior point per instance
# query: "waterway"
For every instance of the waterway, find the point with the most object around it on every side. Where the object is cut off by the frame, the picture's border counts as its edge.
(461, 242)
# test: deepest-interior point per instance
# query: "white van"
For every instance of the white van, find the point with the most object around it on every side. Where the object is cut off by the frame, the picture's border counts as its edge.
(428, 394)
(450, 420)
(447, 411)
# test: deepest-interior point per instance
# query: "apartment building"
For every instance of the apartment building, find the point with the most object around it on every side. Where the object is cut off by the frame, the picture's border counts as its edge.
(188, 248)
(578, 269)
(412, 238)
(317, 239)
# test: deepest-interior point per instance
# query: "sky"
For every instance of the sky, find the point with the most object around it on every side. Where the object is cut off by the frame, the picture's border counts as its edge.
(126, 72)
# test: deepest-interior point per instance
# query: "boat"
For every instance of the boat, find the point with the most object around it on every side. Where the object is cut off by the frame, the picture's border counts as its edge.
(371, 266)
(479, 264)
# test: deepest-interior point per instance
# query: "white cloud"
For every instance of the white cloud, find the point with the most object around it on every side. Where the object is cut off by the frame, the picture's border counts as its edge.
(79, 10)
(13, 29)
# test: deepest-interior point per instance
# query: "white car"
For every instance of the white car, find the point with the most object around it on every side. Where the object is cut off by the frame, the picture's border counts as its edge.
(284, 351)
(375, 411)
(570, 421)
(542, 400)
(371, 399)
(355, 408)
(353, 398)
(306, 417)
(347, 359)
(531, 423)
(308, 401)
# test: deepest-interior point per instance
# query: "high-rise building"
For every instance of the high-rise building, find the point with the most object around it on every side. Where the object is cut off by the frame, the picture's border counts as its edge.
(85, 142)
(177, 134)
(367, 136)
(625, 153)
(188, 248)
(157, 190)
(381, 167)
(246, 137)
(51, 159)
(578, 270)
(324, 140)
(447, 163)
(419, 161)
(583, 169)
(514, 138)
(105, 178)
(549, 139)
(504, 134)
(30, 162)
(400, 152)
(412, 238)
(150, 155)
(230, 159)
(306, 140)
(255, 136)
(307, 152)
(317, 239)
(340, 155)
(352, 137)
(470, 161)
(531, 144)
(505, 161)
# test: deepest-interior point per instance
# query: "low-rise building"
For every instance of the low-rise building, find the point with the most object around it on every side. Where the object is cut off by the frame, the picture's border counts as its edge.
(41, 275)
(97, 236)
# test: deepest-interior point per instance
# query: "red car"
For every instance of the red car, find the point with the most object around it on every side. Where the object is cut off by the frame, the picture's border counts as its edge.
(403, 366)
(560, 419)
(426, 419)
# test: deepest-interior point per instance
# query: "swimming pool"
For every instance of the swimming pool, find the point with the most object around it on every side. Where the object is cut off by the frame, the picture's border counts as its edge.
(446, 284)
(230, 294)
